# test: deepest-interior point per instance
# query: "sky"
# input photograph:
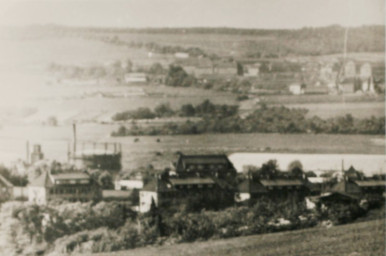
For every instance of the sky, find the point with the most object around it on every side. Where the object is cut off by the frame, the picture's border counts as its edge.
(193, 13)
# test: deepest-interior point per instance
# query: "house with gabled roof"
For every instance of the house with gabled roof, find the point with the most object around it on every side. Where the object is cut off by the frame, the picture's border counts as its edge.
(205, 165)
(355, 183)
(279, 188)
(194, 175)
(72, 186)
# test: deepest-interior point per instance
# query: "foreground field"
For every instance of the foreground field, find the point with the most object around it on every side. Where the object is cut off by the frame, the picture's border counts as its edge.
(366, 238)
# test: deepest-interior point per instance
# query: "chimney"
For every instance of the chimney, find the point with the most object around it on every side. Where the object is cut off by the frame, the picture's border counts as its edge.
(36, 154)
(74, 138)
(27, 152)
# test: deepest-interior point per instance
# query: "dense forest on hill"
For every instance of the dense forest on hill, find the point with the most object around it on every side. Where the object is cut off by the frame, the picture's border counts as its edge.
(258, 42)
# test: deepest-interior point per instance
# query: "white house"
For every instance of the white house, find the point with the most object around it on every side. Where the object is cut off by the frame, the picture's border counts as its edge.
(128, 184)
(181, 55)
(350, 69)
(365, 71)
(252, 70)
(148, 194)
(135, 78)
(296, 89)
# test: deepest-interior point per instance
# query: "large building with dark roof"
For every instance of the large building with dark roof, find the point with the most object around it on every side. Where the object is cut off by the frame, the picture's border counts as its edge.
(205, 165)
(74, 186)
(356, 184)
(275, 189)
(195, 175)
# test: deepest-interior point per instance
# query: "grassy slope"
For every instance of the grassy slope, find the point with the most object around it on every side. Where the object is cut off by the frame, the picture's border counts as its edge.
(366, 238)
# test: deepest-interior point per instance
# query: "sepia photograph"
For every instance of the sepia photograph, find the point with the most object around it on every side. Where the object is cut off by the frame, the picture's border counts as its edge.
(192, 127)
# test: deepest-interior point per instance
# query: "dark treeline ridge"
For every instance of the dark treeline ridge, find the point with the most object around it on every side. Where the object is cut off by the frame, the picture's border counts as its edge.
(207, 30)
(263, 120)
(206, 108)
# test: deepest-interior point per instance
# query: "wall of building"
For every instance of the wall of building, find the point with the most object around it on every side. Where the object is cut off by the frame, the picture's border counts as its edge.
(128, 184)
(145, 199)
(37, 195)
(74, 193)
(20, 192)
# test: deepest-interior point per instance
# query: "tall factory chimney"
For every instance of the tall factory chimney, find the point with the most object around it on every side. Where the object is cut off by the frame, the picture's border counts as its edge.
(74, 138)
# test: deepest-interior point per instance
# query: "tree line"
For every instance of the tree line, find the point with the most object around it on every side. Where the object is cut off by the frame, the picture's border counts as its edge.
(206, 108)
(263, 120)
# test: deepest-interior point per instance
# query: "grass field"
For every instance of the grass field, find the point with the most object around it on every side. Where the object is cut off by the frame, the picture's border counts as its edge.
(364, 239)
(356, 109)
(147, 150)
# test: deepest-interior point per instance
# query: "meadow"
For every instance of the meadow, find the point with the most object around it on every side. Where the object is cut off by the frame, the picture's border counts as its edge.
(161, 150)
(365, 239)
(356, 109)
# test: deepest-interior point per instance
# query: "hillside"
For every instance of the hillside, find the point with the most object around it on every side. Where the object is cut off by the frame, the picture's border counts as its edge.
(250, 43)
(366, 238)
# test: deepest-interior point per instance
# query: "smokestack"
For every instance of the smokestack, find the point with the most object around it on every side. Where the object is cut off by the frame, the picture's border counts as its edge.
(68, 151)
(27, 151)
(74, 135)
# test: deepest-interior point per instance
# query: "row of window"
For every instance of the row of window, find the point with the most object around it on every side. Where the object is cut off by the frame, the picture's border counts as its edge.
(202, 167)
(289, 187)
(84, 181)
(194, 186)
(59, 191)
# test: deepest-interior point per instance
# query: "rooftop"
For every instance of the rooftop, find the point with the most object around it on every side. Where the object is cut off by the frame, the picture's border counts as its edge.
(116, 194)
(157, 186)
(190, 181)
(370, 183)
(70, 176)
(281, 182)
(41, 181)
(248, 186)
(5, 181)
(204, 159)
